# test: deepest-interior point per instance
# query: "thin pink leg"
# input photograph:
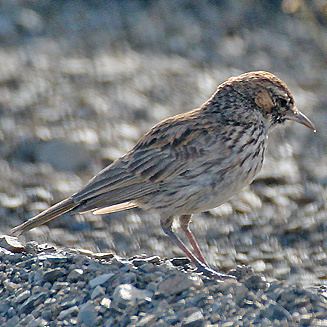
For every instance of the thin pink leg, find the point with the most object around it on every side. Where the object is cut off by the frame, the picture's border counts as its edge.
(201, 267)
(185, 226)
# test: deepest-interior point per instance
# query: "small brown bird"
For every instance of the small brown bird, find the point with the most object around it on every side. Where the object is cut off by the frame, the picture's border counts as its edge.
(191, 162)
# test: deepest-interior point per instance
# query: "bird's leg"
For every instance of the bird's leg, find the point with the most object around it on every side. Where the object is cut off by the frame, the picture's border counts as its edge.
(185, 226)
(166, 225)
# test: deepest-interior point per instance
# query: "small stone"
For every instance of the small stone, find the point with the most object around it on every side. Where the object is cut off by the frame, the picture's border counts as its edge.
(99, 280)
(195, 319)
(258, 266)
(60, 285)
(53, 258)
(255, 283)
(11, 244)
(180, 262)
(62, 155)
(13, 322)
(4, 307)
(148, 320)
(10, 286)
(68, 304)
(72, 311)
(97, 291)
(11, 202)
(39, 322)
(103, 255)
(11, 312)
(178, 283)
(22, 297)
(106, 302)
(32, 302)
(275, 312)
(32, 247)
(87, 314)
(75, 275)
(137, 262)
(53, 274)
(126, 294)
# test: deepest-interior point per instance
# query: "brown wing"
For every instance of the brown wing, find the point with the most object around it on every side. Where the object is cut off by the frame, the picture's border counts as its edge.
(166, 151)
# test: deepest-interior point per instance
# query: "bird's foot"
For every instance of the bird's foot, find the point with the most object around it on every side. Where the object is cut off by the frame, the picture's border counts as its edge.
(212, 274)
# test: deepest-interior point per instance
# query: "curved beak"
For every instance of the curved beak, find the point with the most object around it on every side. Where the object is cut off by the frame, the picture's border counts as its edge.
(299, 117)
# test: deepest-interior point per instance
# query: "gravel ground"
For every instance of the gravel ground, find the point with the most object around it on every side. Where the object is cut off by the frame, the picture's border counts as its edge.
(45, 286)
(79, 84)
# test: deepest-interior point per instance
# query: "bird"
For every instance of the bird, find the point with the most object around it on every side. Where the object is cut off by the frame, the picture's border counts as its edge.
(191, 162)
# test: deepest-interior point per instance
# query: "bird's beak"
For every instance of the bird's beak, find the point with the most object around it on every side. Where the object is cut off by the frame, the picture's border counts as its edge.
(299, 117)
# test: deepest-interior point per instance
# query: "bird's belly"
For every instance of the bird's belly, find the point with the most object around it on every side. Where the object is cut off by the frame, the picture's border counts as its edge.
(219, 188)
(218, 195)
(194, 192)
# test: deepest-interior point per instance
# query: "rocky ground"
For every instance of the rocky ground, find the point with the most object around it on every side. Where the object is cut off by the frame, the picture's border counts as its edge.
(79, 84)
(44, 286)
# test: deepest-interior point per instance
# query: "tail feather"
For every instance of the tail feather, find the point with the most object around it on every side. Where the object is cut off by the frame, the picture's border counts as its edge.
(45, 216)
(115, 208)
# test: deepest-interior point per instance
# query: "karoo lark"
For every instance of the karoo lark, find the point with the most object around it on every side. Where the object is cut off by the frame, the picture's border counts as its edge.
(191, 162)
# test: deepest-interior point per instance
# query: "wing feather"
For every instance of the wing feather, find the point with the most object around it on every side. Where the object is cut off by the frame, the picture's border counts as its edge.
(164, 153)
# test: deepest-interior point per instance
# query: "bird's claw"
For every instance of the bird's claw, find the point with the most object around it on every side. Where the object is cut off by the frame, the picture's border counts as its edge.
(212, 274)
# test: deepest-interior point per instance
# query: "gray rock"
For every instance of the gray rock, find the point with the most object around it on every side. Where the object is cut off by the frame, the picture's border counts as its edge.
(11, 244)
(106, 302)
(195, 319)
(87, 314)
(4, 307)
(13, 322)
(75, 275)
(148, 320)
(22, 297)
(63, 155)
(99, 280)
(53, 258)
(126, 294)
(180, 261)
(97, 291)
(53, 274)
(32, 247)
(178, 283)
(11, 312)
(275, 312)
(10, 286)
(32, 302)
(72, 311)
(256, 283)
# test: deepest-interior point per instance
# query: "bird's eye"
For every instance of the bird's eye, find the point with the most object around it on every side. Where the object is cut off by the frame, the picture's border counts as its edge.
(282, 102)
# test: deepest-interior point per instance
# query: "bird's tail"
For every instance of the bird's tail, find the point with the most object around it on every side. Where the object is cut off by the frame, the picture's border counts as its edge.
(45, 216)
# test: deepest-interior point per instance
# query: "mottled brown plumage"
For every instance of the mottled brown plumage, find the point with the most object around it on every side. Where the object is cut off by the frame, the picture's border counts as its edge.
(191, 162)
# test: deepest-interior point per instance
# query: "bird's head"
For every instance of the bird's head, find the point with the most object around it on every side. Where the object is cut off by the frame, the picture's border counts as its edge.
(271, 97)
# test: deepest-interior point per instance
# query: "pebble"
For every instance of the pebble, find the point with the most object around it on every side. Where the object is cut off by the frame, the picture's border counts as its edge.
(22, 296)
(106, 302)
(72, 311)
(53, 274)
(99, 280)
(195, 319)
(87, 314)
(11, 244)
(32, 302)
(62, 155)
(75, 275)
(125, 295)
(54, 258)
(178, 283)
(97, 291)
(276, 312)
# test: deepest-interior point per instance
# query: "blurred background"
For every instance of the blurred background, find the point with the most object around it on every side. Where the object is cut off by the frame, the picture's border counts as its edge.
(81, 81)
